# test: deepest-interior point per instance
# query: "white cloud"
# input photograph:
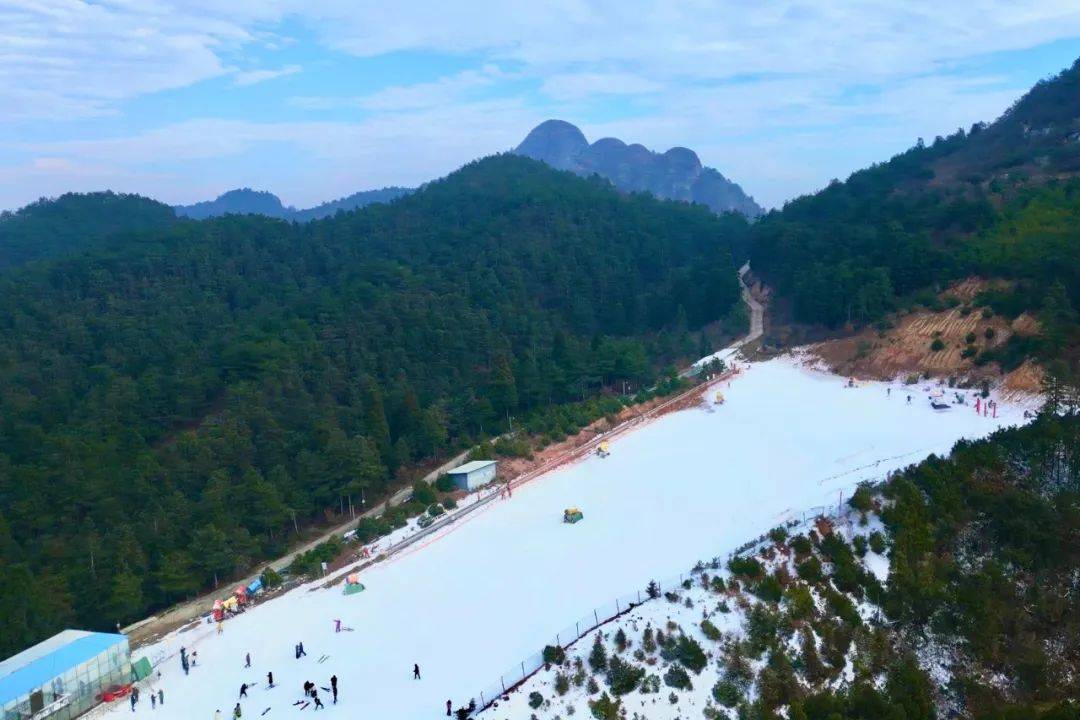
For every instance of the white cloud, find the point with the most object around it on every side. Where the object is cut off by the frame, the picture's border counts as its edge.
(449, 89)
(757, 89)
(578, 86)
(253, 77)
(398, 148)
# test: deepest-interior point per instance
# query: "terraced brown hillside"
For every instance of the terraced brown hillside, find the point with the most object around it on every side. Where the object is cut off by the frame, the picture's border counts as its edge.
(908, 347)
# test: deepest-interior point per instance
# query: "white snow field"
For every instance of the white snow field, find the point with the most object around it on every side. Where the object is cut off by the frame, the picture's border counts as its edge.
(494, 588)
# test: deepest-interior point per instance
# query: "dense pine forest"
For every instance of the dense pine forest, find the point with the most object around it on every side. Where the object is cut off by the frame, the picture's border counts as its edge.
(175, 401)
(999, 200)
(76, 222)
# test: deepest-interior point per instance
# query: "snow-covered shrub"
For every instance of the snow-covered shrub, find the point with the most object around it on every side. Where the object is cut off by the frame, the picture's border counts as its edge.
(799, 602)
(535, 700)
(623, 677)
(562, 683)
(769, 589)
(449, 503)
(687, 651)
(648, 642)
(604, 708)
(620, 640)
(801, 545)
(860, 545)
(727, 693)
(598, 655)
(652, 590)
(710, 631)
(651, 684)
(810, 570)
(745, 567)
(862, 499)
(554, 655)
(877, 542)
(435, 510)
(591, 687)
(677, 678)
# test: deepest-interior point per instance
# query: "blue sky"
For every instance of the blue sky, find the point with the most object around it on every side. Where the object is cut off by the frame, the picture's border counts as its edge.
(315, 100)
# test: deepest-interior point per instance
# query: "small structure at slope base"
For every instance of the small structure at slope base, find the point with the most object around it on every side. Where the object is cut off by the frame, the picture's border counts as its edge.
(473, 474)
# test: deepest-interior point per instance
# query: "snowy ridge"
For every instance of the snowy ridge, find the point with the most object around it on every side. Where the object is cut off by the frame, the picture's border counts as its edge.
(714, 618)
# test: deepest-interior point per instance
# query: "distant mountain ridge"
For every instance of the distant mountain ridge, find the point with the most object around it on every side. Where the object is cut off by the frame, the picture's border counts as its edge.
(245, 201)
(673, 175)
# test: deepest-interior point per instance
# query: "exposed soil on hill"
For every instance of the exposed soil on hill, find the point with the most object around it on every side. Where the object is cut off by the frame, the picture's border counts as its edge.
(910, 346)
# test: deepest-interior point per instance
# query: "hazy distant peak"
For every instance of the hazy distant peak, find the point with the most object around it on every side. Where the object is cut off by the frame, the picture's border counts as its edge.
(676, 174)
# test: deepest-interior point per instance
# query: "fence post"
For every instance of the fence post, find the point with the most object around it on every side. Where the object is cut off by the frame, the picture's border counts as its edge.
(596, 617)
(522, 670)
(616, 606)
(483, 702)
(503, 683)
(557, 640)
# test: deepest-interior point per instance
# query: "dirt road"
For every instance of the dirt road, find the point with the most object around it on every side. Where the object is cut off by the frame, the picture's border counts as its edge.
(146, 630)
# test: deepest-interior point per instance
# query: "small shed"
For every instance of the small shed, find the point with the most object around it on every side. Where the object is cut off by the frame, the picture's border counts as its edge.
(473, 474)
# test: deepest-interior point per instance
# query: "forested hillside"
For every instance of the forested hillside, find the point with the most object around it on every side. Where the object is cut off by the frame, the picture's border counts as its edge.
(75, 222)
(171, 405)
(998, 201)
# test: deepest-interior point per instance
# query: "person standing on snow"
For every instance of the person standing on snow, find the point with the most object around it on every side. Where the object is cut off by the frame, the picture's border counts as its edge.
(416, 671)
(160, 696)
(337, 626)
(237, 713)
(300, 651)
(133, 701)
(153, 701)
(270, 679)
(315, 697)
(247, 660)
(448, 706)
(243, 689)
(333, 687)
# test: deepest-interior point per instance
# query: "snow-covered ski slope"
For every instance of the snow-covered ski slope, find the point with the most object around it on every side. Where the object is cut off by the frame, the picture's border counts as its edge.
(496, 587)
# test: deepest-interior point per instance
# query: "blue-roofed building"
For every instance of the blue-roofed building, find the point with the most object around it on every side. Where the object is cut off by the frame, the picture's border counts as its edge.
(64, 676)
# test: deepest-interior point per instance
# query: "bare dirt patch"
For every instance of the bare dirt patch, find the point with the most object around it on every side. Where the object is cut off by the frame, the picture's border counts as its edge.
(943, 343)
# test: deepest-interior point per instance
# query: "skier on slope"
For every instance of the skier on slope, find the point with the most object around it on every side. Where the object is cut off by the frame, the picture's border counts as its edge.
(243, 689)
